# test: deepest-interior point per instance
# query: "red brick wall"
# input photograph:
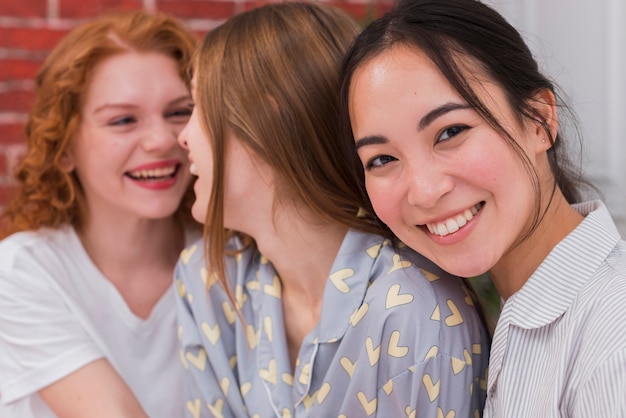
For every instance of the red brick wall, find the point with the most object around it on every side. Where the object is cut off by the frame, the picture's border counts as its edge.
(29, 29)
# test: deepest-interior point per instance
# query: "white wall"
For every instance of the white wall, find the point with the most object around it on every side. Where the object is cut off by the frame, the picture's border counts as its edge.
(581, 44)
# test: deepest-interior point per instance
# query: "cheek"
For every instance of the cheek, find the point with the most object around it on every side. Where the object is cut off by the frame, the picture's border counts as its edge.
(204, 183)
(202, 190)
(505, 173)
(385, 203)
(199, 211)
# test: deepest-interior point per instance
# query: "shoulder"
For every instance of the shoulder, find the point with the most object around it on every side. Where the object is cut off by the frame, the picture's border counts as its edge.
(600, 302)
(193, 233)
(413, 293)
(616, 261)
(191, 268)
(605, 291)
(31, 248)
(417, 314)
(401, 266)
(595, 321)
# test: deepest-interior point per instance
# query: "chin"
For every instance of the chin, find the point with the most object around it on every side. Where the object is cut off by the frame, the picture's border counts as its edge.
(199, 214)
(159, 214)
(462, 268)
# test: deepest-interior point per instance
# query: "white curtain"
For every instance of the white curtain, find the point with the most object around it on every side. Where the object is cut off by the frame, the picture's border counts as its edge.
(581, 44)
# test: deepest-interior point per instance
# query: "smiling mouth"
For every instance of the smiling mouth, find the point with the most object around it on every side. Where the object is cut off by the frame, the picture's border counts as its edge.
(454, 223)
(155, 174)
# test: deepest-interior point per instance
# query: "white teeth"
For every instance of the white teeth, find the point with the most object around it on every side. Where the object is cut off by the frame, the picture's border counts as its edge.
(193, 170)
(153, 173)
(453, 224)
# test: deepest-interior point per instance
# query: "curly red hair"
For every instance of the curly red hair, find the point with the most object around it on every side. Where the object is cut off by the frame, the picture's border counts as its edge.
(48, 195)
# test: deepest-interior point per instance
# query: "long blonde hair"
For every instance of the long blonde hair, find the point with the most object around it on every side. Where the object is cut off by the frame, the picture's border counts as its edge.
(271, 75)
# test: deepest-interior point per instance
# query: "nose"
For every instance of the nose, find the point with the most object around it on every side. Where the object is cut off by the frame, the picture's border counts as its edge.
(182, 137)
(426, 183)
(160, 137)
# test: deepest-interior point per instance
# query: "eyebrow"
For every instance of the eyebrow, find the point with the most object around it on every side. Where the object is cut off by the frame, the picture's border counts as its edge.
(426, 120)
(131, 105)
(370, 140)
(114, 106)
(184, 98)
(438, 112)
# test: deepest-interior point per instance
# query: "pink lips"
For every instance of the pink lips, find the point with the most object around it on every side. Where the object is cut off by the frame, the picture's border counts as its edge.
(158, 175)
(459, 234)
(155, 165)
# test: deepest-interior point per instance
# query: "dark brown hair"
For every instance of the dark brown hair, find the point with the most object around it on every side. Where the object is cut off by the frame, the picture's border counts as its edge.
(460, 36)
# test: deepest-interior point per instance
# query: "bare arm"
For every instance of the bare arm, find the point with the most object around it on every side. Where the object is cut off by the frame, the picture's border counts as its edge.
(95, 390)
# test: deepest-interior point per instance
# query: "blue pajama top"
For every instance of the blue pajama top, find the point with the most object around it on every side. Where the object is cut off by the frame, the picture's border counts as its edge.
(397, 337)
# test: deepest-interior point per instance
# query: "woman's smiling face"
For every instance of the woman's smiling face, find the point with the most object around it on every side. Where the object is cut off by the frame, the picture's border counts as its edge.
(125, 152)
(248, 190)
(437, 174)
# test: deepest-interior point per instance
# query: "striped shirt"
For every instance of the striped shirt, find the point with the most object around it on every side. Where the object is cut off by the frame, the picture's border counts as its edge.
(559, 348)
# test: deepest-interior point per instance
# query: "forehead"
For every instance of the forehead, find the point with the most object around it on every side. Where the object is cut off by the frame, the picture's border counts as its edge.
(400, 74)
(135, 75)
(409, 64)
(398, 65)
(403, 83)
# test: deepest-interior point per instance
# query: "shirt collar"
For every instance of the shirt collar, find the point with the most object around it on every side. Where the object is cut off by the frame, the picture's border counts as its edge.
(346, 286)
(553, 286)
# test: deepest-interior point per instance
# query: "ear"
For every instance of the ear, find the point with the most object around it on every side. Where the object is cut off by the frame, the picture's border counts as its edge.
(67, 161)
(544, 105)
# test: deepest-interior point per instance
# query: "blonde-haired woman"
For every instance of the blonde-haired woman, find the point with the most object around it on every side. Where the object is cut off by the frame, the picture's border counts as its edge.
(303, 308)
(87, 318)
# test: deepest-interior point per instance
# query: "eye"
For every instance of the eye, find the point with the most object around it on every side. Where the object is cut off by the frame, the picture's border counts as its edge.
(451, 132)
(180, 114)
(379, 161)
(124, 120)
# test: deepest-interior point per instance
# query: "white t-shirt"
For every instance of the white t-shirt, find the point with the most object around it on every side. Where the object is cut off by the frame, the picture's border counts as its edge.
(58, 313)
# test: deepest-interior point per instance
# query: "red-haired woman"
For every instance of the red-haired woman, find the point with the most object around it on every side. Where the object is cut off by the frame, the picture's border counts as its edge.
(87, 318)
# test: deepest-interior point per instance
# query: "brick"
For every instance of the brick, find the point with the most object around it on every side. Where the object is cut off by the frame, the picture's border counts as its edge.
(90, 8)
(363, 12)
(6, 193)
(16, 100)
(12, 134)
(205, 9)
(18, 69)
(200, 34)
(23, 8)
(42, 39)
(4, 165)
(249, 5)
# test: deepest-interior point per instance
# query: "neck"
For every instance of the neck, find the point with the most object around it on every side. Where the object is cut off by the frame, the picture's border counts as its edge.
(126, 243)
(136, 255)
(516, 267)
(302, 253)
